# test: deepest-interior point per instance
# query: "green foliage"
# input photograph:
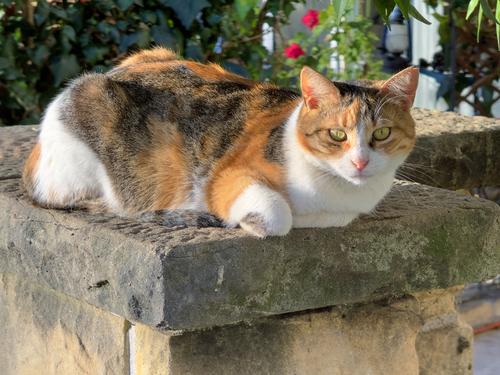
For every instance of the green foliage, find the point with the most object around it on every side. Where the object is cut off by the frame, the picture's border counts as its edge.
(340, 40)
(385, 7)
(476, 66)
(483, 8)
(44, 44)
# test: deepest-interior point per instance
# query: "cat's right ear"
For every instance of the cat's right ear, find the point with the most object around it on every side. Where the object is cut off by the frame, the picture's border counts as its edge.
(402, 86)
(316, 88)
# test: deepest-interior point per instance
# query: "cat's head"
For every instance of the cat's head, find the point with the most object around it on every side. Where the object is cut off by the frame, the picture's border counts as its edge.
(357, 130)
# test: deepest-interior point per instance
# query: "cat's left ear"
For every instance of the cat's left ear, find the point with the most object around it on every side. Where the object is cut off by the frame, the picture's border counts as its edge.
(316, 89)
(402, 86)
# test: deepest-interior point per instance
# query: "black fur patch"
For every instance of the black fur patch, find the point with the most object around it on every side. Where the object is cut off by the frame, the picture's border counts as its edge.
(274, 149)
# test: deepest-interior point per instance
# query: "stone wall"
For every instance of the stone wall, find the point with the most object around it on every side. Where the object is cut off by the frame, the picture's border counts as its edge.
(99, 294)
(48, 332)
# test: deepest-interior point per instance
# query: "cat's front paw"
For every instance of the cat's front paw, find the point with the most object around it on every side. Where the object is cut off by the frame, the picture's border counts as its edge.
(262, 212)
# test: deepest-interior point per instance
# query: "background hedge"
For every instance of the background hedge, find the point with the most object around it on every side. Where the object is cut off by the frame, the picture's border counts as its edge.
(45, 43)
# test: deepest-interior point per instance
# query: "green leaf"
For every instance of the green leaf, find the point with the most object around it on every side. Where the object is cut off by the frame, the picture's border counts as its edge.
(487, 10)
(105, 5)
(236, 68)
(479, 20)
(9, 49)
(193, 51)
(94, 54)
(12, 74)
(404, 5)
(339, 7)
(164, 37)
(384, 9)
(40, 55)
(497, 14)
(186, 10)
(214, 19)
(143, 38)
(69, 32)
(126, 41)
(161, 18)
(139, 38)
(41, 12)
(412, 11)
(63, 68)
(148, 16)
(58, 12)
(470, 9)
(76, 18)
(243, 7)
(4, 63)
(124, 4)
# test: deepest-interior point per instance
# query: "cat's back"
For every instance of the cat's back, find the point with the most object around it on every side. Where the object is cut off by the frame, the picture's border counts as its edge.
(154, 88)
(151, 119)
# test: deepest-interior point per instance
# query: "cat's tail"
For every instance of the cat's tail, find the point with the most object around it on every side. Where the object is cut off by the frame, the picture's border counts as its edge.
(157, 54)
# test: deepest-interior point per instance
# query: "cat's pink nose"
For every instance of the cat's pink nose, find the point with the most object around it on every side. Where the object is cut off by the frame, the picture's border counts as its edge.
(360, 164)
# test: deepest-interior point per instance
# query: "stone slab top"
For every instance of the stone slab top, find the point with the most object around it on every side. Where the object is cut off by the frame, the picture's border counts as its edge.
(193, 278)
(454, 151)
(432, 123)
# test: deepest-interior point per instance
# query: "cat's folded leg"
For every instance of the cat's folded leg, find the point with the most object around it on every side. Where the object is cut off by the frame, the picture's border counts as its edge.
(323, 219)
(261, 211)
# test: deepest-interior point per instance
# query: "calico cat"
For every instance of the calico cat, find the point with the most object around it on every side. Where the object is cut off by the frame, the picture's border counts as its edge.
(159, 133)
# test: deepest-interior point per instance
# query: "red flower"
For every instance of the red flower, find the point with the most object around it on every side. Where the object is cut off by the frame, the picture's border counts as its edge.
(311, 19)
(294, 51)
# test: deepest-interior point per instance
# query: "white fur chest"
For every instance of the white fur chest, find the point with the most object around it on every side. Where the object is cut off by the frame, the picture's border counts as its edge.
(318, 192)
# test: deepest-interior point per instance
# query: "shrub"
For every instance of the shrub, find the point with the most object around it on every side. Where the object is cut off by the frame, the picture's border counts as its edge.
(44, 44)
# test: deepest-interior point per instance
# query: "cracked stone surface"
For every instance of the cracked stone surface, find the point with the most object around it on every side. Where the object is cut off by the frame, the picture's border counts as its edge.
(184, 279)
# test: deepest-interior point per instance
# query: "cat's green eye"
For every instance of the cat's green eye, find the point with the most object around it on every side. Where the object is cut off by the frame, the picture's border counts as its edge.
(381, 134)
(338, 135)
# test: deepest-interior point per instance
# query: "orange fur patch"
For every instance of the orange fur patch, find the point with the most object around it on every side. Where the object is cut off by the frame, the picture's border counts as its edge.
(246, 164)
(149, 56)
(159, 59)
(164, 169)
(150, 67)
(215, 73)
(30, 168)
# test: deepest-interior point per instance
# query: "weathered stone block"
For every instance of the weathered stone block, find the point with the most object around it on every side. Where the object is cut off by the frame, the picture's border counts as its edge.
(46, 331)
(444, 342)
(150, 351)
(43, 332)
(192, 278)
(454, 151)
(414, 335)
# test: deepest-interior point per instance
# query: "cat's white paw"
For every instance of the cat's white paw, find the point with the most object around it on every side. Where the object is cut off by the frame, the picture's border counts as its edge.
(261, 211)
(323, 220)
